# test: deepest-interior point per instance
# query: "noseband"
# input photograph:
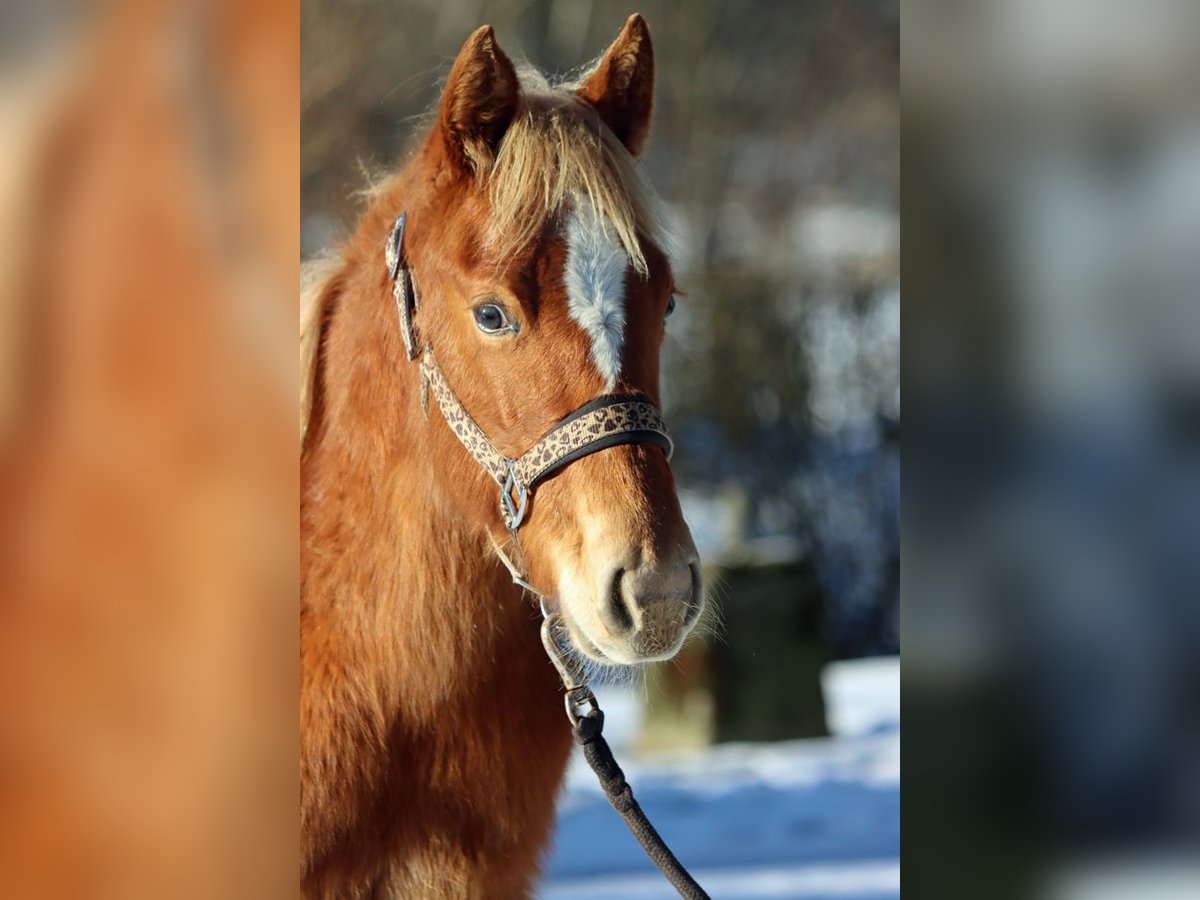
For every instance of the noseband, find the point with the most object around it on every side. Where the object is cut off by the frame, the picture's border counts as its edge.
(607, 421)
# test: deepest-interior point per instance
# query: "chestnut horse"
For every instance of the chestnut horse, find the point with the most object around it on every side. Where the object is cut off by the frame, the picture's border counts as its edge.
(433, 734)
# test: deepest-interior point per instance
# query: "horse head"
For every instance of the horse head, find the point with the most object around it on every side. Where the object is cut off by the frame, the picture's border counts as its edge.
(540, 282)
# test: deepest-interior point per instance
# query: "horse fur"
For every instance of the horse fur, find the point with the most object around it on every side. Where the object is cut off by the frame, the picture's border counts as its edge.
(433, 736)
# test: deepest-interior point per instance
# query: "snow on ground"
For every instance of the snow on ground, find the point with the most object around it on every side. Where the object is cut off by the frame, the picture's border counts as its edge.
(862, 695)
(801, 819)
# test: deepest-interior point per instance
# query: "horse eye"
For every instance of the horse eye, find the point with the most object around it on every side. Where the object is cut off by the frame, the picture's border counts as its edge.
(492, 319)
(670, 306)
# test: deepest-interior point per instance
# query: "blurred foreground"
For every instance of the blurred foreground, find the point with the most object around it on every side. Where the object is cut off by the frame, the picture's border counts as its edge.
(148, 529)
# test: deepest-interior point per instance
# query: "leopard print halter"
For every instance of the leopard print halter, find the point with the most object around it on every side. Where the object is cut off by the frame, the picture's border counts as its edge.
(607, 421)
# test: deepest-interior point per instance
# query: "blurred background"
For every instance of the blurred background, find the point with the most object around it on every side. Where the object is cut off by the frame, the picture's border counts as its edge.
(1052, 493)
(776, 147)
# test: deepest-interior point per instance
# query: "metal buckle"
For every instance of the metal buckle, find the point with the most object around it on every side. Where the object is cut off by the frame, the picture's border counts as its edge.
(513, 515)
(394, 245)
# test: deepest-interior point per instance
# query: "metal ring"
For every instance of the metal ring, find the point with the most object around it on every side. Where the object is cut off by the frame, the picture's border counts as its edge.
(577, 697)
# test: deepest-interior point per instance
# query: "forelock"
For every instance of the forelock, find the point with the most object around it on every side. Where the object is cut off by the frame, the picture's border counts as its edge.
(555, 151)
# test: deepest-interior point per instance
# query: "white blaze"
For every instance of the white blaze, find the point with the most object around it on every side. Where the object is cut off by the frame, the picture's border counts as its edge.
(595, 279)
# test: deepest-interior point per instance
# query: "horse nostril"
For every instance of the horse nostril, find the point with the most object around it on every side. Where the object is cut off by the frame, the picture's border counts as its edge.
(620, 619)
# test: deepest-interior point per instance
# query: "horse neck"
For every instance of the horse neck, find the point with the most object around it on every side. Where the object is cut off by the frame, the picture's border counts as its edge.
(386, 561)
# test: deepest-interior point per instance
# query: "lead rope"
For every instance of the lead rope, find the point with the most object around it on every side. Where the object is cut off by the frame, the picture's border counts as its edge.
(587, 727)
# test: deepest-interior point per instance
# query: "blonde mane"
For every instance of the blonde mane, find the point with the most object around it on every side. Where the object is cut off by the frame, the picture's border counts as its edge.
(556, 151)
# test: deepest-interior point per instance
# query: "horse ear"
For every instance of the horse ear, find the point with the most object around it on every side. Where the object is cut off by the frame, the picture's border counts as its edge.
(621, 86)
(479, 102)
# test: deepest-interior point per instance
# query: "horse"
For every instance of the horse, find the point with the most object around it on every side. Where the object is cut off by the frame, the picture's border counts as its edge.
(534, 280)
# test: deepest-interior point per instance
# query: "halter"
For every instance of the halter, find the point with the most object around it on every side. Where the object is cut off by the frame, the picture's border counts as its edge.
(607, 421)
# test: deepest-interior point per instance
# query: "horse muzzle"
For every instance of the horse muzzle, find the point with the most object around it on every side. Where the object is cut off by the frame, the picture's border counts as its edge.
(634, 612)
